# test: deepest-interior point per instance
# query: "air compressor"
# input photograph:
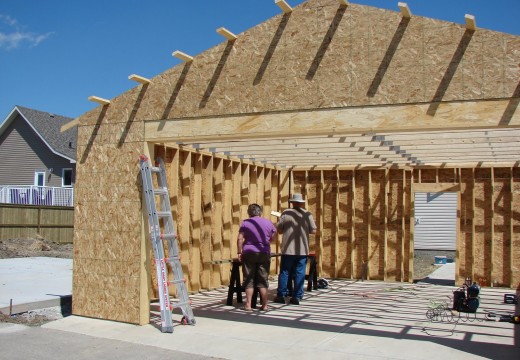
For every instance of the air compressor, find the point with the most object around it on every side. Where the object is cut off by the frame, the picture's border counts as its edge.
(465, 299)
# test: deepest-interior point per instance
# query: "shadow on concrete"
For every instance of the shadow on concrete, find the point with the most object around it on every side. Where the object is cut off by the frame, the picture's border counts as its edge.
(394, 311)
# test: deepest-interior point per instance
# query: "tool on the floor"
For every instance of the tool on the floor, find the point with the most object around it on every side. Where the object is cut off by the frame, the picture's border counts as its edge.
(466, 299)
(156, 236)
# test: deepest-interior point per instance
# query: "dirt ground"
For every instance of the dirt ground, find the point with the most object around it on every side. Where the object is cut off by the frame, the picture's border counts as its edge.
(30, 247)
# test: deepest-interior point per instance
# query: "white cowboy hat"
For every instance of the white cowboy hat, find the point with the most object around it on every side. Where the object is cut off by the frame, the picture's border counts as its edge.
(297, 198)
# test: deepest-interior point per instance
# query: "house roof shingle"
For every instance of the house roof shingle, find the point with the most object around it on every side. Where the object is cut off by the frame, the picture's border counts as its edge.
(48, 126)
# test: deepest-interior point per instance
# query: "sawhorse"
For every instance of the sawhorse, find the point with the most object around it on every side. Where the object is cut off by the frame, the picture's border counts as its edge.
(235, 286)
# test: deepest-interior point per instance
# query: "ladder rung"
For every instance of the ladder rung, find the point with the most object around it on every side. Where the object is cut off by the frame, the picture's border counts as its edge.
(163, 214)
(168, 236)
(155, 169)
(179, 304)
(173, 258)
(160, 191)
(176, 281)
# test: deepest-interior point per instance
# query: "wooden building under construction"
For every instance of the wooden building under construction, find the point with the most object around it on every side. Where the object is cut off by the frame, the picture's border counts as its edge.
(361, 109)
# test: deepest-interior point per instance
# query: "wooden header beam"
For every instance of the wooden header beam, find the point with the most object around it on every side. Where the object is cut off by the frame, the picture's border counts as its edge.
(180, 55)
(470, 22)
(99, 100)
(405, 10)
(226, 33)
(282, 4)
(139, 79)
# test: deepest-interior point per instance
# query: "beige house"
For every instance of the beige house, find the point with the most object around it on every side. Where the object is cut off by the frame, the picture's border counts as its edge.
(360, 109)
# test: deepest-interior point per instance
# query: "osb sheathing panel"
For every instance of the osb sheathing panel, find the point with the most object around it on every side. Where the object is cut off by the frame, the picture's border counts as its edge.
(321, 56)
(482, 238)
(501, 227)
(107, 217)
(464, 242)
(212, 195)
(361, 223)
(377, 226)
(515, 251)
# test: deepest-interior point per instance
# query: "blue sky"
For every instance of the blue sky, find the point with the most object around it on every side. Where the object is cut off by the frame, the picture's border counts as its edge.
(54, 54)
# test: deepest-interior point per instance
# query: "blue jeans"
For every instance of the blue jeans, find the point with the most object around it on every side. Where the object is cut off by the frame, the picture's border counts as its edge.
(292, 264)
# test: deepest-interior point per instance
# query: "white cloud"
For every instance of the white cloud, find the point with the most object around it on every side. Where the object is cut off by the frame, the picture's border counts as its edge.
(14, 37)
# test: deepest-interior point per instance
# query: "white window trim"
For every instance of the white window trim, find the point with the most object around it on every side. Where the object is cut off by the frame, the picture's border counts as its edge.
(63, 177)
(36, 173)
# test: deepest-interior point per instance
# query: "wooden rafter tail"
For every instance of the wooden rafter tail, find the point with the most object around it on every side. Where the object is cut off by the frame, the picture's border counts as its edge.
(343, 2)
(226, 33)
(282, 4)
(139, 79)
(180, 55)
(99, 100)
(405, 10)
(471, 24)
(69, 125)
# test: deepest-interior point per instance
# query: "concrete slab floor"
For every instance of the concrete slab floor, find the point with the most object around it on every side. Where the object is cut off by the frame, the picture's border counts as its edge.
(354, 320)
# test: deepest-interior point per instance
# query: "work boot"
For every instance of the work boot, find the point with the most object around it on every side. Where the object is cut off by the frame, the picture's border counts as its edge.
(294, 301)
(279, 300)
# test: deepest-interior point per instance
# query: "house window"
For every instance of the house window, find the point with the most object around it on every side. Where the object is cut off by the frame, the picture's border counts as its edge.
(66, 178)
(39, 178)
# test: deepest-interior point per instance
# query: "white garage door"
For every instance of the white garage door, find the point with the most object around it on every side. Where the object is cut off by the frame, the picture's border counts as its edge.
(435, 220)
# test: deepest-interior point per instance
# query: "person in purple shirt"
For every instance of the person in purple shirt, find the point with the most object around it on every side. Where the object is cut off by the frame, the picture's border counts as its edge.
(254, 252)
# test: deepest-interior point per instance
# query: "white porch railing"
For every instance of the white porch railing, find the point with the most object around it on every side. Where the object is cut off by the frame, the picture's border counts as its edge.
(37, 195)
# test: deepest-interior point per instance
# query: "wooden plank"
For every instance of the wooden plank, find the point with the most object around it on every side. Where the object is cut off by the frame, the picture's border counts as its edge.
(226, 33)
(282, 4)
(321, 219)
(369, 224)
(244, 190)
(217, 226)
(512, 206)
(343, 2)
(411, 250)
(227, 219)
(467, 115)
(139, 79)
(403, 201)
(336, 224)
(99, 100)
(69, 125)
(405, 10)
(183, 222)
(196, 224)
(236, 207)
(473, 224)
(386, 215)
(492, 239)
(471, 24)
(352, 225)
(182, 56)
(458, 179)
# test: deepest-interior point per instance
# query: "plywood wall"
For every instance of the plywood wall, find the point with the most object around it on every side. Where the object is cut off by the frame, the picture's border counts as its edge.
(209, 197)
(364, 217)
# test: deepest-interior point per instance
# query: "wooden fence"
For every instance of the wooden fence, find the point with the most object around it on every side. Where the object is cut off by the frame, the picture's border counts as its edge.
(54, 223)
